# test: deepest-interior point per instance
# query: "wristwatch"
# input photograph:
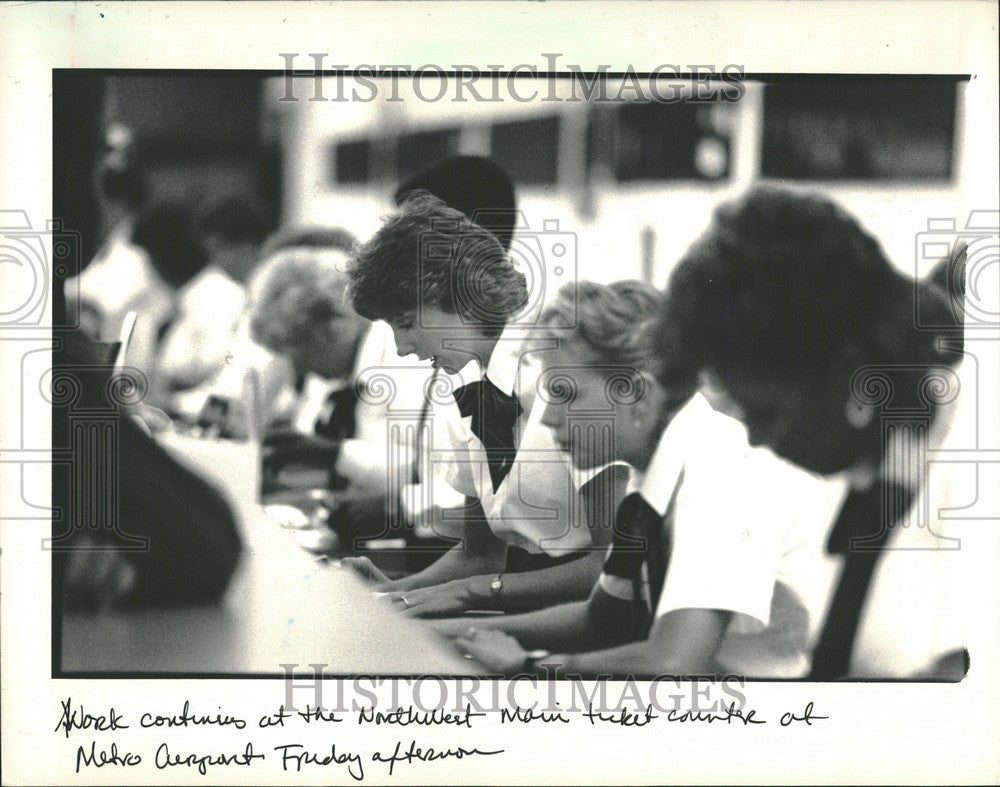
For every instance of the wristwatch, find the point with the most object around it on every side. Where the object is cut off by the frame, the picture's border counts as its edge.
(532, 658)
(496, 588)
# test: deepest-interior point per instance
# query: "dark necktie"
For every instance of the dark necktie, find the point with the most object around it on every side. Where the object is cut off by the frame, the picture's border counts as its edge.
(339, 423)
(861, 533)
(641, 536)
(494, 414)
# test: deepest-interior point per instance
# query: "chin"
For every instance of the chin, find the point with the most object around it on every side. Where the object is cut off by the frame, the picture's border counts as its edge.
(445, 366)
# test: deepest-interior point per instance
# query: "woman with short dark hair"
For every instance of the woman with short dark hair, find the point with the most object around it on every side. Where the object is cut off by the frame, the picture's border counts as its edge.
(791, 313)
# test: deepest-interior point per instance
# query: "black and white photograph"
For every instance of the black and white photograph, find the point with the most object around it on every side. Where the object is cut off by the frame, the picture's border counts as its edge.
(404, 404)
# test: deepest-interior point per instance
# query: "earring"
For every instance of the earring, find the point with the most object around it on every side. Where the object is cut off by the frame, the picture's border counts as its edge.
(858, 415)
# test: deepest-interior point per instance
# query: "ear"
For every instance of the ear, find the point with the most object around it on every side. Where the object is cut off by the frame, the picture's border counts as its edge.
(648, 407)
(848, 371)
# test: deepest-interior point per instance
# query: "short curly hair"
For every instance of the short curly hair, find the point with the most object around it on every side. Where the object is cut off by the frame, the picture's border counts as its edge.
(431, 255)
(778, 284)
(294, 290)
(614, 324)
(610, 320)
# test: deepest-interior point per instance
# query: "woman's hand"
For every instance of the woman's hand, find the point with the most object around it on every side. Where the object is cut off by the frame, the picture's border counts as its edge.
(495, 650)
(368, 571)
(152, 420)
(438, 601)
(98, 577)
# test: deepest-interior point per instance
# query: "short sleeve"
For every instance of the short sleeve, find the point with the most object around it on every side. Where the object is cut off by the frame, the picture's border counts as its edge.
(612, 581)
(726, 536)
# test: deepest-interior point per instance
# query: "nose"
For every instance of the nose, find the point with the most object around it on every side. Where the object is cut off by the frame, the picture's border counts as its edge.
(761, 433)
(553, 418)
(404, 345)
(755, 437)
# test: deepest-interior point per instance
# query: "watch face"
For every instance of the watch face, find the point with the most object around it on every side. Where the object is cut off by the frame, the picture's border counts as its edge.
(496, 585)
(535, 655)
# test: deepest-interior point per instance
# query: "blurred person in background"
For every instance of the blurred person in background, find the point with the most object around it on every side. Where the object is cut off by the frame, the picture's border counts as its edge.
(299, 311)
(166, 233)
(284, 397)
(473, 185)
(121, 277)
(794, 317)
(696, 581)
(210, 306)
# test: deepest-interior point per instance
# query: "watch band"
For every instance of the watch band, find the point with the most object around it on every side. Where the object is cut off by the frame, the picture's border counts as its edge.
(496, 589)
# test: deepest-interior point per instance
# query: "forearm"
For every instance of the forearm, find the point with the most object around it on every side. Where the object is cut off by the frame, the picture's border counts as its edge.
(681, 642)
(565, 627)
(461, 561)
(363, 464)
(531, 590)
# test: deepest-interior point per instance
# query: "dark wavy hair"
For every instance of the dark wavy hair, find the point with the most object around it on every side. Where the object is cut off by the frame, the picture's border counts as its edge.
(779, 283)
(431, 255)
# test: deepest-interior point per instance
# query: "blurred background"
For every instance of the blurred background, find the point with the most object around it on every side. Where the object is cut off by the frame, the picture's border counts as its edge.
(633, 181)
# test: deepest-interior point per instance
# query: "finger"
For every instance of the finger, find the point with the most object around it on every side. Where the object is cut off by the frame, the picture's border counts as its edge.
(427, 608)
(381, 580)
(121, 580)
(127, 579)
(435, 608)
(360, 565)
(477, 651)
(409, 601)
(76, 569)
(104, 568)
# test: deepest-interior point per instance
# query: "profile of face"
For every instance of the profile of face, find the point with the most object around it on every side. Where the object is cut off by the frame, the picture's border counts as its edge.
(810, 422)
(599, 414)
(427, 332)
(331, 347)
